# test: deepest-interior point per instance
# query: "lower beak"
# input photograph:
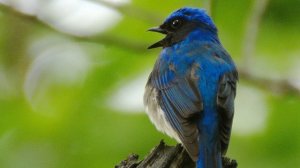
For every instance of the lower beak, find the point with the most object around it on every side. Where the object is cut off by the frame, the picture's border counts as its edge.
(158, 44)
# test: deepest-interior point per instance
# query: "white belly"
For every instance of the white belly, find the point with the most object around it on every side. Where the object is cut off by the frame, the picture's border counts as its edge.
(156, 114)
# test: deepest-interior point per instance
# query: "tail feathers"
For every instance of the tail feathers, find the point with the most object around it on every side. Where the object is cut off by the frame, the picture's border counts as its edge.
(209, 156)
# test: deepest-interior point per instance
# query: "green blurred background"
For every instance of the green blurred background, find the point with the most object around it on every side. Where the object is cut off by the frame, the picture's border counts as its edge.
(72, 74)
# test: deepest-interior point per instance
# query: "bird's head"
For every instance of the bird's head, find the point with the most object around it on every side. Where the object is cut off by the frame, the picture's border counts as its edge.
(180, 23)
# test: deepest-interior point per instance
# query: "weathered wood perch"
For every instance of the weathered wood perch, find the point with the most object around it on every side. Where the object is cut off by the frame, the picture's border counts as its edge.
(164, 156)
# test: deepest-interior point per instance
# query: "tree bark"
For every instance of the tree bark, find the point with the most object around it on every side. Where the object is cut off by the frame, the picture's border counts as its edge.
(164, 156)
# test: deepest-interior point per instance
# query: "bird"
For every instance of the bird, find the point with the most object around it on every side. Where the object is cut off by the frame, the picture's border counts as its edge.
(190, 92)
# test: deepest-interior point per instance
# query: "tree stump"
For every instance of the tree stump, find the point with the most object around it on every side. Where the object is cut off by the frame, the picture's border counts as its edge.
(164, 156)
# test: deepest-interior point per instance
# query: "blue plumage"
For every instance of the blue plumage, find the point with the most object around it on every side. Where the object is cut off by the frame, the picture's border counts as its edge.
(190, 92)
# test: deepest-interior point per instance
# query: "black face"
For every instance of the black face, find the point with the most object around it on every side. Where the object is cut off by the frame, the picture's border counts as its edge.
(175, 30)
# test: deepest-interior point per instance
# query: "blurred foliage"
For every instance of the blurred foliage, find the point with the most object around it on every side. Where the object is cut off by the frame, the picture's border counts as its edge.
(68, 124)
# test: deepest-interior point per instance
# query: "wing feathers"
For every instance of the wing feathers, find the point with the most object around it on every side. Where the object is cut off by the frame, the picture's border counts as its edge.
(180, 99)
(225, 102)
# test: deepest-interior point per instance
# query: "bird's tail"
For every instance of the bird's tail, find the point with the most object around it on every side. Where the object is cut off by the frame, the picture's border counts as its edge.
(209, 156)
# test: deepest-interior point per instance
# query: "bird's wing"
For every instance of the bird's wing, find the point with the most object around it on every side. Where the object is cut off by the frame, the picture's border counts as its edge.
(225, 102)
(181, 102)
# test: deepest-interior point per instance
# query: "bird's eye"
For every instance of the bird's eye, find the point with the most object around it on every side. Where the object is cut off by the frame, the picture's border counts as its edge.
(176, 24)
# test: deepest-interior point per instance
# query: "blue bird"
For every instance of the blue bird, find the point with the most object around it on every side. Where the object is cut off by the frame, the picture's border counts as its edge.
(190, 92)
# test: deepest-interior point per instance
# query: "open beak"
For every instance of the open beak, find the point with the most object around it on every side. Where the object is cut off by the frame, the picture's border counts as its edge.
(160, 43)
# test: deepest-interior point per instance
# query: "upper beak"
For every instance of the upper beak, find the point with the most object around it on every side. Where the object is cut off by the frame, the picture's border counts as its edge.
(158, 30)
